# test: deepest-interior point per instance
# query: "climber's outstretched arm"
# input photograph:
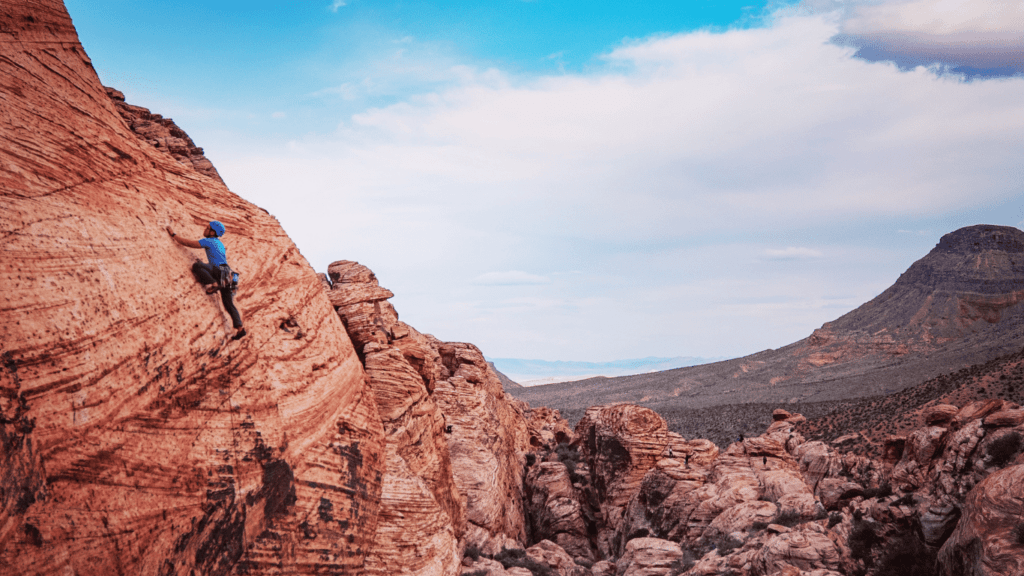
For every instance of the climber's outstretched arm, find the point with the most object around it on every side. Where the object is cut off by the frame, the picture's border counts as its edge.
(183, 241)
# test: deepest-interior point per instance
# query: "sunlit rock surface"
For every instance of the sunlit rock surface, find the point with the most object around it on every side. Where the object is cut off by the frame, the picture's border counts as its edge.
(138, 437)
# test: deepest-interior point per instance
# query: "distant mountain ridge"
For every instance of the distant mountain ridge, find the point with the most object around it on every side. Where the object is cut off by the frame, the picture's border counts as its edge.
(521, 370)
(961, 304)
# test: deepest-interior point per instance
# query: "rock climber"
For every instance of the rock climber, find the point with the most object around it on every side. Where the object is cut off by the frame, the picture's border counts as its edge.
(215, 274)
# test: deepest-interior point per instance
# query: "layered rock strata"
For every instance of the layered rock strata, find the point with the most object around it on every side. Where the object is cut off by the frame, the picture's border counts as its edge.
(163, 134)
(455, 445)
(775, 504)
(138, 438)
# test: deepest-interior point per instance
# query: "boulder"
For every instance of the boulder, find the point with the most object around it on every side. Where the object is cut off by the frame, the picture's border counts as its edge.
(485, 567)
(806, 550)
(986, 540)
(977, 410)
(1005, 418)
(940, 414)
(620, 443)
(555, 510)
(603, 568)
(648, 557)
(488, 441)
(547, 427)
(938, 522)
(553, 556)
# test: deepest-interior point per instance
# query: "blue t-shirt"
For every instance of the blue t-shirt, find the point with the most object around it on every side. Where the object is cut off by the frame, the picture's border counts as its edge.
(215, 253)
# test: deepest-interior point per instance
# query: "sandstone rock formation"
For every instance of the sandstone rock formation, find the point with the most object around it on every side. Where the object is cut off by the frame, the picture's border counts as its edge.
(138, 438)
(456, 444)
(163, 134)
(989, 538)
(776, 504)
(335, 439)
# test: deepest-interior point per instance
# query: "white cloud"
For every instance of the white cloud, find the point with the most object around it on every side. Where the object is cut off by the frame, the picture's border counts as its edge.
(792, 253)
(279, 115)
(983, 37)
(337, 4)
(682, 140)
(510, 278)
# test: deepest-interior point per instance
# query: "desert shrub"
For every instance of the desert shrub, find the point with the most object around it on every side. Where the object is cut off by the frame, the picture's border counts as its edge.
(834, 518)
(880, 492)
(906, 556)
(509, 557)
(473, 552)
(862, 540)
(787, 518)
(758, 526)
(1018, 534)
(1004, 448)
(531, 459)
(725, 544)
(567, 453)
(905, 500)
(688, 560)
(570, 457)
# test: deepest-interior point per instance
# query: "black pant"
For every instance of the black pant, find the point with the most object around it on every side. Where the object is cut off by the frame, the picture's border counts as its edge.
(208, 274)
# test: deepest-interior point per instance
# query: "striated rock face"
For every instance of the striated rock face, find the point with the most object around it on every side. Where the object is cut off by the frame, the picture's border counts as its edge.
(557, 509)
(488, 443)
(620, 443)
(648, 557)
(422, 516)
(137, 437)
(163, 134)
(456, 443)
(987, 540)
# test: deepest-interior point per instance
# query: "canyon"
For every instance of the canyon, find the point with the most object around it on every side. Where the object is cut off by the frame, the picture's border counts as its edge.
(139, 438)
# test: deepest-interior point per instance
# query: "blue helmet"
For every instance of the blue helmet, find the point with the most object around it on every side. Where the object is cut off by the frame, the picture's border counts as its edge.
(217, 227)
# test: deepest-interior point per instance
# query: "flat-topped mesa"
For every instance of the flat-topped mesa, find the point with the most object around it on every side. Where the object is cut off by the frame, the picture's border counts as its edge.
(974, 274)
(982, 238)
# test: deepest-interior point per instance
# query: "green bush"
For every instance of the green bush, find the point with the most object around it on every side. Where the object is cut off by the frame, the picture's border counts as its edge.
(787, 518)
(683, 564)
(862, 540)
(1018, 534)
(509, 557)
(473, 552)
(1004, 448)
(905, 500)
(880, 492)
(906, 556)
(584, 562)
(725, 544)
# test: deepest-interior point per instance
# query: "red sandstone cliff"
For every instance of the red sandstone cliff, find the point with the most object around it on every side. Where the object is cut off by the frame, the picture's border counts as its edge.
(138, 438)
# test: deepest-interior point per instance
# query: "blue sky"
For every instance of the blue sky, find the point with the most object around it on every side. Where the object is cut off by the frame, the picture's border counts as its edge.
(596, 181)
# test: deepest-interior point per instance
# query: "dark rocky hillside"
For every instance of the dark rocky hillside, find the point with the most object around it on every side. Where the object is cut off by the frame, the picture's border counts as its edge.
(958, 306)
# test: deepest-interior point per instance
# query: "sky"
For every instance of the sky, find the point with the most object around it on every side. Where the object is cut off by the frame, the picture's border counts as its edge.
(594, 181)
